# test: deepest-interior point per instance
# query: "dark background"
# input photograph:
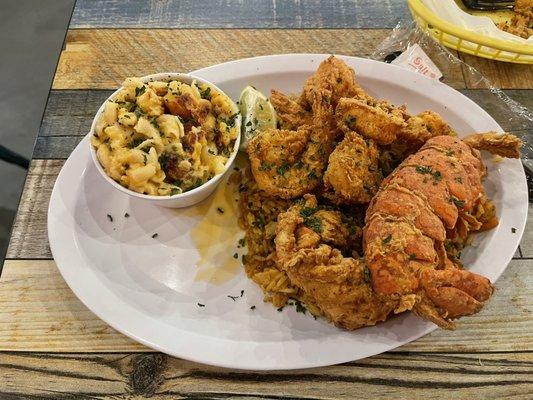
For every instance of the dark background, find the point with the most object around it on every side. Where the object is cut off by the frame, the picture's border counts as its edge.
(31, 37)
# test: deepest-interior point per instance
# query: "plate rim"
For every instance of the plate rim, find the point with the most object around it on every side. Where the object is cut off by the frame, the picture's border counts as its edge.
(302, 363)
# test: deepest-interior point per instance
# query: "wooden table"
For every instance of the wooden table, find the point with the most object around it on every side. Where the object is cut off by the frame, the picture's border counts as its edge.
(53, 347)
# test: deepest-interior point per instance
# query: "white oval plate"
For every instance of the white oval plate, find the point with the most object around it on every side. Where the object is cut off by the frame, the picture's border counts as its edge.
(148, 289)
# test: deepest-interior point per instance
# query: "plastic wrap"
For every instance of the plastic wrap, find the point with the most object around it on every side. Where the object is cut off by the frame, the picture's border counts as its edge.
(511, 115)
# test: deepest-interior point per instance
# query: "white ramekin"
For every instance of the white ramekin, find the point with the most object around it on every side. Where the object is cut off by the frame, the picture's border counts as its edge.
(178, 200)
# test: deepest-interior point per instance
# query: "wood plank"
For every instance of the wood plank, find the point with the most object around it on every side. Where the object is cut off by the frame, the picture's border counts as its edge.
(102, 58)
(199, 14)
(38, 312)
(154, 375)
(30, 220)
(502, 75)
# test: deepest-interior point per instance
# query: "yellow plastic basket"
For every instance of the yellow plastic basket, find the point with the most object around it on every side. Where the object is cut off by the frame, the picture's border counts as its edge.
(467, 41)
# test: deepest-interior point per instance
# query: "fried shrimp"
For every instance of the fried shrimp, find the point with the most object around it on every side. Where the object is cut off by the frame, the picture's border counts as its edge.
(353, 175)
(374, 121)
(332, 80)
(333, 283)
(287, 163)
(291, 114)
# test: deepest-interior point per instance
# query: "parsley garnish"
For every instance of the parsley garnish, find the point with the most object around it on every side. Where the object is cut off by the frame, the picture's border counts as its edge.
(265, 166)
(206, 94)
(350, 120)
(252, 308)
(367, 275)
(135, 142)
(126, 215)
(458, 203)
(110, 218)
(513, 230)
(139, 90)
(155, 235)
(306, 212)
(200, 305)
(234, 298)
(387, 239)
(220, 210)
(412, 256)
(231, 119)
(300, 307)
(282, 169)
(280, 309)
(313, 223)
(421, 169)
(235, 255)
(312, 175)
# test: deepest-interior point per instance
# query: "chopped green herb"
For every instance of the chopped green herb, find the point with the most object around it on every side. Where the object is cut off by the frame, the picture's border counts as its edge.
(265, 166)
(231, 119)
(458, 203)
(243, 258)
(234, 298)
(299, 165)
(135, 142)
(259, 221)
(145, 159)
(458, 179)
(206, 94)
(155, 235)
(367, 275)
(387, 239)
(252, 308)
(200, 305)
(126, 215)
(220, 210)
(449, 153)
(249, 123)
(300, 307)
(242, 293)
(280, 309)
(139, 90)
(412, 256)
(235, 255)
(423, 169)
(314, 223)
(350, 120)
(282, 169)
(175, 191)
(513, 230)
(312, 175)
(242, 242)
(306, 212)
(437, 176)
(110, 218)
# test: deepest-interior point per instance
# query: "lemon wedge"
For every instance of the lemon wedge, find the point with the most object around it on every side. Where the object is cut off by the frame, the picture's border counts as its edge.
(257, 114)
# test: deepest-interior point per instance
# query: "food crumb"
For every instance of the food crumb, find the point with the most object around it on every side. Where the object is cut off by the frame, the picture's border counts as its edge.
(155, 235)
(110, 218)
(126, 215)
(200, 305)
(252, 308)
(220, 210)
(513, 230)
(235, 256)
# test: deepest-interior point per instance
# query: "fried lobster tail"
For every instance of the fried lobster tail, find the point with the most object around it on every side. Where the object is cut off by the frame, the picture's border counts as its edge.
(408, 220)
